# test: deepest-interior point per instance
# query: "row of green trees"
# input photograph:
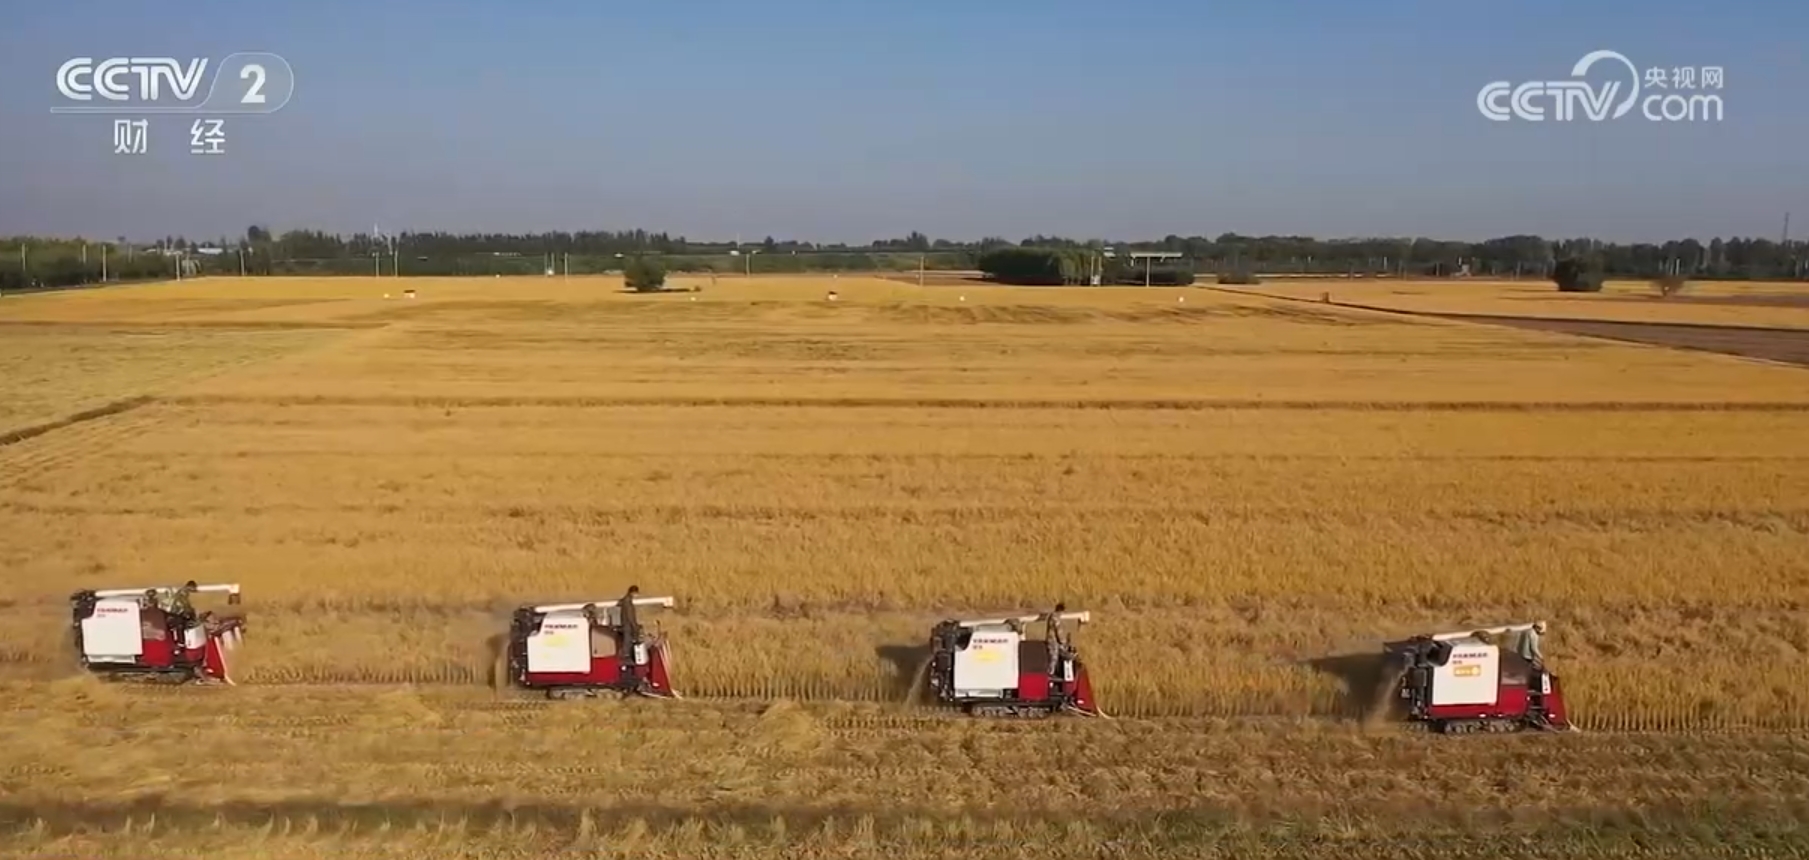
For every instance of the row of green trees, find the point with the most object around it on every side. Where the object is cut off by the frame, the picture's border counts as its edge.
(1078, 265)
(1508, 256)
(1046, 259)
(259, 262)
(31, 263)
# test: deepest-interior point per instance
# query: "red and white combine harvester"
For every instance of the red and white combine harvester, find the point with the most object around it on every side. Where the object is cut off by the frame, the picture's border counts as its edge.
(987, 667)
(1464, 682)
(139, 634)
(581, 650)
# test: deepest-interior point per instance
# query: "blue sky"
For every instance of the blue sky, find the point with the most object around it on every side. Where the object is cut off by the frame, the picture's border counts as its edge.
(844, 121)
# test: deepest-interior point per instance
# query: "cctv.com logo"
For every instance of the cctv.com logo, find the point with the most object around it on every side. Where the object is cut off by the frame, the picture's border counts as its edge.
(1670, 95)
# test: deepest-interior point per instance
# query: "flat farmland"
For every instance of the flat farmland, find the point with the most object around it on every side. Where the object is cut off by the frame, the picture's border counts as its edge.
(1249, 492)
(1720, 303)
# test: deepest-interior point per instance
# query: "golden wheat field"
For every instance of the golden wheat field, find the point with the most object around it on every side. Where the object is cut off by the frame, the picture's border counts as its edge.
(1249, 492)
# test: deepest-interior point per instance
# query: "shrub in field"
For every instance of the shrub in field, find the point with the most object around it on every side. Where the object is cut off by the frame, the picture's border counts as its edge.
(1176, 273)
(1243, 278)
(644, 275)
(1027, 266)
(1576, 276)
(1669, 285)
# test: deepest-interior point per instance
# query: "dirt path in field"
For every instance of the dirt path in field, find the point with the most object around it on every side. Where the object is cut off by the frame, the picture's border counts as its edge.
(1790, 346)
(1783, 345)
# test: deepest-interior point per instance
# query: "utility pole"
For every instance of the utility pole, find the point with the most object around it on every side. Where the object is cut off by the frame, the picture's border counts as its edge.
(241, 262)
(103, 264)
(920, 264)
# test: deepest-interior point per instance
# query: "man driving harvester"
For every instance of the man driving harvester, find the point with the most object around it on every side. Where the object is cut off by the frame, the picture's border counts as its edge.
(630, 626)
(1530, 649)
(1059, 644)
(177, 608)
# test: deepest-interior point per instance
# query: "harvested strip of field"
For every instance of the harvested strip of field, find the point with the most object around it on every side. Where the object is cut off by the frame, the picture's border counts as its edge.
(668, 775)
(52, 373)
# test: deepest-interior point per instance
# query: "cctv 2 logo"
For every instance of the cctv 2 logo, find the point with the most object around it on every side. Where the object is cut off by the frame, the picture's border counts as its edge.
(243, 83)
(1568, 97)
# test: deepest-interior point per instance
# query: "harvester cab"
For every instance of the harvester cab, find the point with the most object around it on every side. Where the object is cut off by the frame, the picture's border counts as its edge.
(987, 667)
(581, 650)
(1466, 681)
(155, 634)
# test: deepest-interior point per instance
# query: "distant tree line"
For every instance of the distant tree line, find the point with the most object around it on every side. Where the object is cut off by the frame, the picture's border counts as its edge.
(1049, 266)
(38, 262)
(32, 263)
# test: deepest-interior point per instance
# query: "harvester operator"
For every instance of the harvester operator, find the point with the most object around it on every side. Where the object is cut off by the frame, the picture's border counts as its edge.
(177, 605)
(631, 625)
(1530, 649)
(1057, 638)
(1534, 655)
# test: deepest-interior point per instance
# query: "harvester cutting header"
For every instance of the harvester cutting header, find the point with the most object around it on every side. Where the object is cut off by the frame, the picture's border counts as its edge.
(155, 633)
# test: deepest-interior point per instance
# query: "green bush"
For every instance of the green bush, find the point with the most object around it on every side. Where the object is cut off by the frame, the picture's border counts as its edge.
(1027, 266)
(1669, 285)
(644, 275)
(1174, 273)
(1574, 276)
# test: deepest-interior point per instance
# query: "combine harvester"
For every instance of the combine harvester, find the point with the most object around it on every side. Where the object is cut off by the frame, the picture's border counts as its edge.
(986, 667)
(1458, 683)
(580, 650)
(125, 634)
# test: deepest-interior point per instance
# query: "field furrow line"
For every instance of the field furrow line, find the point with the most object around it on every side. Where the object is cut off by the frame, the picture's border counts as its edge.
(521, 708)
(68, 445)
(1145, 404)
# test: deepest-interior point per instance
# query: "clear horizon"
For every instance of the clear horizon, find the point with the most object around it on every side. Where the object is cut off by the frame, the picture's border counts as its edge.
(830, 123)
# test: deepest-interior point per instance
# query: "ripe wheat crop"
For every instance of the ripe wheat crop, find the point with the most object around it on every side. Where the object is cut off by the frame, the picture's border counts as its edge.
(1241, 488)
(1250, 494)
